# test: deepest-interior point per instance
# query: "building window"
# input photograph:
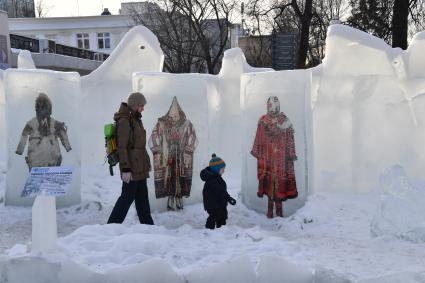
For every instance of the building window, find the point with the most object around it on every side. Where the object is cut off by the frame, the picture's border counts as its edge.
(83, 41)
(104, 40)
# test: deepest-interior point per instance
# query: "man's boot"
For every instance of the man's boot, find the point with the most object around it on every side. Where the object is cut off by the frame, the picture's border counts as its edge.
(270, 209)
(279, 209)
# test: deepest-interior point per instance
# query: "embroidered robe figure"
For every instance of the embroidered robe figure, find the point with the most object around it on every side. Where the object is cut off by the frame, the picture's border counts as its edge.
(274, 149)
(173, 143)
(42, 134)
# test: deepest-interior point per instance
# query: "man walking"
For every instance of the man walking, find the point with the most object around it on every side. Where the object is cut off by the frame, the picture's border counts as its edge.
(134, 161)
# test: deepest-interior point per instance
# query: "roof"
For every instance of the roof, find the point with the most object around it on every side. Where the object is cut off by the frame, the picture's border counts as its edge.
(69, 23)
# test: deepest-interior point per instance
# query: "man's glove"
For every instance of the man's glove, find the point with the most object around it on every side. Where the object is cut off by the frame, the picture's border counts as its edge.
(232, 201)
(126, 177)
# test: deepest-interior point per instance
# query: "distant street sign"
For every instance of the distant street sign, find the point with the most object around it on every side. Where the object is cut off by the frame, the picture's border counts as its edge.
(284, 51)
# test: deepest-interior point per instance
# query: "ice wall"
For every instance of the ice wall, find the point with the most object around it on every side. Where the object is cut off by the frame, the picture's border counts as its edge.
(366, 98)
(192, 92)
(105, 88)
(293, 91)
(22, 87)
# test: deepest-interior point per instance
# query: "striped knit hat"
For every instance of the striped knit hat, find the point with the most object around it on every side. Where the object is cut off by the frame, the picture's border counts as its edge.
(216, 163)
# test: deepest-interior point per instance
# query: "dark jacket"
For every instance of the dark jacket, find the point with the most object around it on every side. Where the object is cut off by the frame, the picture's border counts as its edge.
(131, 140)
(215, 191)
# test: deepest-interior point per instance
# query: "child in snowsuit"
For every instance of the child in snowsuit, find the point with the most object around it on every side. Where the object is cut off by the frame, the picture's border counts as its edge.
(215, 193)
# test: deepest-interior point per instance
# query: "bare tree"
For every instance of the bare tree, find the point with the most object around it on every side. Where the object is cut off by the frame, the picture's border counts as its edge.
(392, 20)
(173, 31)
(211, 23)
(42, 9)
(309, 19)
(193, 33)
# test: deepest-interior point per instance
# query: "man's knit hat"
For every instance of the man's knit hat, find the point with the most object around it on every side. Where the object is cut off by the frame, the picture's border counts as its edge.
(135, 100)
(216, 163)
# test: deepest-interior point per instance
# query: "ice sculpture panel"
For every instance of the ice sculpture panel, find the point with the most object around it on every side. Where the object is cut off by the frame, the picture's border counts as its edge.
(292, 90)
(42, 114)
(367, 100)
(191, 93)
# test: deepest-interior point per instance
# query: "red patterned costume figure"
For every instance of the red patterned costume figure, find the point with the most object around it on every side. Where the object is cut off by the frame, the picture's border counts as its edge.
(274, 148)
(173, 142)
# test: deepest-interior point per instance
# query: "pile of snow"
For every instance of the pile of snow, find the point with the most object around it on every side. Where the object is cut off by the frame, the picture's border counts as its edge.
(401, 212)
(330, 236)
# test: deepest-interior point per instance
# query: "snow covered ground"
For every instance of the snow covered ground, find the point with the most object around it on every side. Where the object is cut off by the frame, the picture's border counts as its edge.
(330, 235)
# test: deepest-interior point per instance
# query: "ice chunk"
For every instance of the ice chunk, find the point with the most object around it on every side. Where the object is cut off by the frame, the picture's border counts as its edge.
(323, 275)
(73, 272)
(60, 142)
(239, 270)
(401, 212)
(29, 269)
(273, 269)
(105, 88)
(25, 60)
(293, 92)
(44, 225)
(405, 277)
(150, 271)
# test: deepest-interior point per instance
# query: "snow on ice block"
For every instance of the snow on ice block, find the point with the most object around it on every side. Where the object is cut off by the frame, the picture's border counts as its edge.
(353, 52)
(239, 270)
(105, 88)
(44, 225)
(191, 92)
(292, 89)
(273, 269)
(72, 272)
(150, 271)
(401, 212)
(56, 142)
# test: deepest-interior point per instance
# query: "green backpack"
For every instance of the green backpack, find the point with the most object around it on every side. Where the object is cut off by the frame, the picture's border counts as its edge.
(111, 145)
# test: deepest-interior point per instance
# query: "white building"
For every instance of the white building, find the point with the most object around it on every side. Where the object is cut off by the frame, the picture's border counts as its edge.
(97, 33)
